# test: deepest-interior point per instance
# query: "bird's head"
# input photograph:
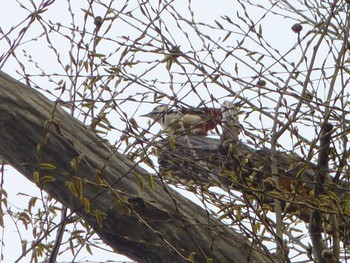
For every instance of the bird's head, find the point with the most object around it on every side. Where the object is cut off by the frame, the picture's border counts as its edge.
(157, 112)
(162, 114)
(197, 121)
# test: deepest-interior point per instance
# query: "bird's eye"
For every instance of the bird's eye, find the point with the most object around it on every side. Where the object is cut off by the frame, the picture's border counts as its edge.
(172, 110)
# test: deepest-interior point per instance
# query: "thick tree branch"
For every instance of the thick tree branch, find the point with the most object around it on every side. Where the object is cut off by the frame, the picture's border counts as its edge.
(320, 188)
(82, 171)
(239, 167)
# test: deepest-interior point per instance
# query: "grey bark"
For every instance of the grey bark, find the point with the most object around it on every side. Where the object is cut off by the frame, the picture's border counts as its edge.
(236, 166)
(147, 225)
(239, 167)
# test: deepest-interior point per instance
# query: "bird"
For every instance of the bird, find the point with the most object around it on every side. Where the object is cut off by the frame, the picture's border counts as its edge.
(195, 121)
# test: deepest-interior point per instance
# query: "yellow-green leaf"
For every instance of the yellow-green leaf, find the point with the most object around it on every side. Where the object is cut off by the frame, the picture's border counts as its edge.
(139, 181)
(47, 166)
(37, 177)
(72, 188)
(191, 257)
(150, 181)
(86, 203)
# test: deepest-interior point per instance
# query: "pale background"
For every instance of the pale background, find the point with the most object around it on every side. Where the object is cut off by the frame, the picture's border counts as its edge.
(276, 30)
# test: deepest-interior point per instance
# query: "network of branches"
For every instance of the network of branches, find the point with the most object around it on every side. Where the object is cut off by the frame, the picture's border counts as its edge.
(285, 63)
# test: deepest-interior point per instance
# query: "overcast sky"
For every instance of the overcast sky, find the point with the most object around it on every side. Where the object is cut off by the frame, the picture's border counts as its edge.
(276, 30)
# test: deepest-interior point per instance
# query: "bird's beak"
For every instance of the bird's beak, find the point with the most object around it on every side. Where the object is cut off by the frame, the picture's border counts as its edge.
(148, 115)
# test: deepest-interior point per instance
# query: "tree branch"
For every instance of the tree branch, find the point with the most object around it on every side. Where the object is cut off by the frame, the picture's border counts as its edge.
(83, 172)
(320, 188)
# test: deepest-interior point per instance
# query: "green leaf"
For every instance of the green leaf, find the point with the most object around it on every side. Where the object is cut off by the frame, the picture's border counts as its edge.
(36, 177)
(99, 217)
(139, 181)
(86, 203)
(72, 188)
(150, 181)
(47, 166)
(79, 187)
(46, 179)
(191, 257)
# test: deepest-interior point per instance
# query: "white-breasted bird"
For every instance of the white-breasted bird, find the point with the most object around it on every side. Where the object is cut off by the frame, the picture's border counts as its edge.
(196, 121)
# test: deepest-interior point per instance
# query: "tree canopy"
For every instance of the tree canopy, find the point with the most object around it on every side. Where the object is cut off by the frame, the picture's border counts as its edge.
(271, 185)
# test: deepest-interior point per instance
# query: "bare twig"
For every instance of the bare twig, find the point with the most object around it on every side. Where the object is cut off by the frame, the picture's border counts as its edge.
(59, 236)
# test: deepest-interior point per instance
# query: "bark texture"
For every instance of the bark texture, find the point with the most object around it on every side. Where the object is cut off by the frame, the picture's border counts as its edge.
(79, 169)
(208, 162)
(239, 167)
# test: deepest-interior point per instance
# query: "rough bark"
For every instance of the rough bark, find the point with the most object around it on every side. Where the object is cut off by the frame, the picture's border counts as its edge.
(205, 161)
(79, 169)
(239, 167)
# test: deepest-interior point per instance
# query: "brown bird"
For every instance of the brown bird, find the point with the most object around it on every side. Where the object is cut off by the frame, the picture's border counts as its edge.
(197, 121)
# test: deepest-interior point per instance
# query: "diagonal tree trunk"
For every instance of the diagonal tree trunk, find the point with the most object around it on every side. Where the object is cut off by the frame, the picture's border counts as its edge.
(79, 169)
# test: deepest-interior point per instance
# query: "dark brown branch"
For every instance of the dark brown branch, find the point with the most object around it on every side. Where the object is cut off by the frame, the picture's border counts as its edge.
(321, 182)
(100, 185)
(59, 236)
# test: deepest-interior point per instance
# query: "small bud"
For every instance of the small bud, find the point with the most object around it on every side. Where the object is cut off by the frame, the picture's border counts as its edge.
(98, 21)
(261, 83)
(297, 28)
(175, 51)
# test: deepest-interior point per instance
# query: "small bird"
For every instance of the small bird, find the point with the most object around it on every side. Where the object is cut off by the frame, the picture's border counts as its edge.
(197, 121)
